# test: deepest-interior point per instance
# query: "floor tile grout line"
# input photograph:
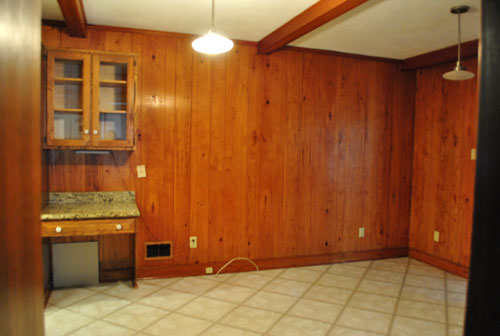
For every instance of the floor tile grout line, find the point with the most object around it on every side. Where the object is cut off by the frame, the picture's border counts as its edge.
(218, 283)
(334, 303)
(354, 290)
(278, 275)
(169, 312)
(298, 299)
(77, 301)
(262, 289)
(81, 327)
(237, 305)
(93, 319)
(219, 321)
(398, 299)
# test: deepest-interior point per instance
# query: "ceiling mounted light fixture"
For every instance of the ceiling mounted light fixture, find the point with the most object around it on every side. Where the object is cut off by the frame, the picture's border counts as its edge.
(212, 43)
(460, 72)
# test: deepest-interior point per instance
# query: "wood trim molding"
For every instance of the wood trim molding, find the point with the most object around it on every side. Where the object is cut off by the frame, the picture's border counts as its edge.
(441, 56)
(74, 16)
(313, 17)
(116, 274)
(342, 54)
(243, 266)
(61, 25)
(443, 264)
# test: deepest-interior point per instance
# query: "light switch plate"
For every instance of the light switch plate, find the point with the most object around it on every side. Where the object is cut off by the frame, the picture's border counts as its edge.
(361, 232)
(193, 242)
(141, 171)
(436, 236)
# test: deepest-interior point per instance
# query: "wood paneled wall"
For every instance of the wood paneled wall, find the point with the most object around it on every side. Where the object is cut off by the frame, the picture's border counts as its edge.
(443, 173)
(260, 156)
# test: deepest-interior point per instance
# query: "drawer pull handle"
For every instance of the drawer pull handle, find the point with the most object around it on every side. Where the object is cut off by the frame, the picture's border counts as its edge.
(58, 229)
(119, 227)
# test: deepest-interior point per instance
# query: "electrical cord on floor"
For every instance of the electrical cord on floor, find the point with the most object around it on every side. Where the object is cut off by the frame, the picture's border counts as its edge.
(234, 259)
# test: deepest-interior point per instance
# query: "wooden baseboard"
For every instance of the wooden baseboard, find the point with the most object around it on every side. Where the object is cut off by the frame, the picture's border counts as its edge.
(244, 266)
(115, 275)
(443, 264)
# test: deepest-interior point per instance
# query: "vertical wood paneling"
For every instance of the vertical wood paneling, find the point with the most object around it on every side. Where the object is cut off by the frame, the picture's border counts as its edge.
(150, 193)
(254, 96)
(200, 150)
(216, 238)
(443, 173)
(292, 155)
(182, 159)
(261, 156)
(401, 150)
(310, 77)
(235, 151)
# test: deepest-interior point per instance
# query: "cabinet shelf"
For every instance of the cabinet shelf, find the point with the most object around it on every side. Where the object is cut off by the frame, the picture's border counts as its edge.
(68, 110)
(114, 111)
(112, 82)
(67, 79)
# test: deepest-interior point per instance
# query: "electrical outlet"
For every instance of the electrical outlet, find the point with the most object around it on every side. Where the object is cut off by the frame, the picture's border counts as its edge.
(436, 236)
(473, 154)
(141, 171)
(209, 270)
(361, 232)
(193, 242)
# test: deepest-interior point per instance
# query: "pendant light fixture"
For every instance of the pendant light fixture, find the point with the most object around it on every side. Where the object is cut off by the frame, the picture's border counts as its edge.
(212, 43)
(460, 72)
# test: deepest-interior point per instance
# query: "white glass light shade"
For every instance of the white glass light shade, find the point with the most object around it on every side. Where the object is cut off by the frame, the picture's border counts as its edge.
(458, 74)
(212, 43)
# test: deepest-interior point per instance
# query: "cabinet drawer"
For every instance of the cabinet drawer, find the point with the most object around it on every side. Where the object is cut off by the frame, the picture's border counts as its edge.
(87, 227)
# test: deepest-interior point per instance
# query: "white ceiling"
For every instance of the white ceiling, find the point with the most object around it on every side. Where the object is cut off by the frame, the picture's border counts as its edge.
(395, 28)
(248, 20)
(386, 28)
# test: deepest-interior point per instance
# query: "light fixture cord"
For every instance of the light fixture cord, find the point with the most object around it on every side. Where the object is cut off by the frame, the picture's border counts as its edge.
(459, 38)
(212, 28)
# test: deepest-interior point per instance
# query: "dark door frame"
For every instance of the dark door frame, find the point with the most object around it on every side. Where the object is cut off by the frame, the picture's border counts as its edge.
(483, 301)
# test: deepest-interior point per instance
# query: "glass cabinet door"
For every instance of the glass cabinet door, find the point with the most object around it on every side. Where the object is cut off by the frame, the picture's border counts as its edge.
(68, 98)
(113, 84)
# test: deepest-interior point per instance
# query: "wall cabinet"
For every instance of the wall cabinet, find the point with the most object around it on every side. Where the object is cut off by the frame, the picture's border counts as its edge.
(90, 100)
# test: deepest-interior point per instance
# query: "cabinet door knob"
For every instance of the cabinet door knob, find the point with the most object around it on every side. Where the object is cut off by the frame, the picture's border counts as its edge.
(119, 227)
(58, 229)
(86, 131)
(95, 132)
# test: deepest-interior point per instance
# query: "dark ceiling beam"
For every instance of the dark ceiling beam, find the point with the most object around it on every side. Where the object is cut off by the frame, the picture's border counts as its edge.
(441, 56)
(313, 17)
(74, 16)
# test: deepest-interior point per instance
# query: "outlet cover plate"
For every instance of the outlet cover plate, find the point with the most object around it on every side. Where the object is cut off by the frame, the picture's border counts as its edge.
(209, 270)
(141, 171)
(436, 236)
(193, 242)
(361, 232)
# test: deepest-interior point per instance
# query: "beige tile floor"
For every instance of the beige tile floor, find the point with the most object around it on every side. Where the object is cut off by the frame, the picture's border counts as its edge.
(399, 297)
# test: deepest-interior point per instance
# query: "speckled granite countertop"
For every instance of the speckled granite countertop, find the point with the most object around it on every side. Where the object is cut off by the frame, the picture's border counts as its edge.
(90, 205)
